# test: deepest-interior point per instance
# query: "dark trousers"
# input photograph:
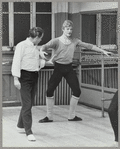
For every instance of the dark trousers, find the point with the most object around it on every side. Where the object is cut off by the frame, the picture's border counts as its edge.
(28, 82)
(66, 71)
(113, 114)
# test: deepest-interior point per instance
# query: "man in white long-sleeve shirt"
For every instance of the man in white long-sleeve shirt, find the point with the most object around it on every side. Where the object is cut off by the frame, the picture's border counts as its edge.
(25, 67)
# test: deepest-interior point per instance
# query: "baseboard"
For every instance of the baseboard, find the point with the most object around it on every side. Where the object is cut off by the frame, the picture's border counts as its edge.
(11, 103)
(92, 106)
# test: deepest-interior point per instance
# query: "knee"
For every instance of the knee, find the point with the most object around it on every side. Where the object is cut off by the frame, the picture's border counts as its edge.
(77, 92)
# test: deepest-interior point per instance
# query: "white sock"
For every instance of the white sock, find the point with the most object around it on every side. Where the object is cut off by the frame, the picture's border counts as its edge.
(50, 105)
(73, 105)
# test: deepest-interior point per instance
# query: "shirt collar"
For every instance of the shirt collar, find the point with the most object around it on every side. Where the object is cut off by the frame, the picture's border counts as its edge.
(65, 40)
(29, 42)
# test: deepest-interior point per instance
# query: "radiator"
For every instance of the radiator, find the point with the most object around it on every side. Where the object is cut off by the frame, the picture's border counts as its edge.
(62, 93)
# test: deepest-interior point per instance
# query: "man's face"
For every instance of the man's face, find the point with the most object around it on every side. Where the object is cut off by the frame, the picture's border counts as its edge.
(38, 39)
(67, 31)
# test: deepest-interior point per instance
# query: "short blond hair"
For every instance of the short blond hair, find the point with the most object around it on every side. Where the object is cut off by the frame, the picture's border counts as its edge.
(67, 23)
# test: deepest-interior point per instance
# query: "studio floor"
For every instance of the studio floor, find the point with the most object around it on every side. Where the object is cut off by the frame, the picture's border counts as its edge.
(92, 131)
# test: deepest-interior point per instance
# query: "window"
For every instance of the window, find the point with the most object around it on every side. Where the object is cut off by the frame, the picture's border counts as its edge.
(5, 24)
(89, 28)
(43, 7)
(108, 29)
(100, 29)
(43, 19)
(21, 21)
(19, 17)
(21, 7)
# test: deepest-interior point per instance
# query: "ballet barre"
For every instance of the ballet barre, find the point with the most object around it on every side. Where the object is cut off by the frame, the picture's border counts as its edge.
(102, 57)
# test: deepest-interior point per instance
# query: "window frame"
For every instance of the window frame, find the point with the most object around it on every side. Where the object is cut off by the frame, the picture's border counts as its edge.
(109, 47)
(32, 21)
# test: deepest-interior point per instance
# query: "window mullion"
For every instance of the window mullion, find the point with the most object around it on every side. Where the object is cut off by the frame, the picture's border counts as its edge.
(98, 38)
(11, 24)
(33, 14)
(53, 20)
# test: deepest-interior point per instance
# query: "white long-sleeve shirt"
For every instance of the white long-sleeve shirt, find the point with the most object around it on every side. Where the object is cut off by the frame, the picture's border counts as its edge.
(26, 57)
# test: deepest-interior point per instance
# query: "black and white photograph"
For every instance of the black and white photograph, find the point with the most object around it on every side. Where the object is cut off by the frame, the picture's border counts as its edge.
(60, 76)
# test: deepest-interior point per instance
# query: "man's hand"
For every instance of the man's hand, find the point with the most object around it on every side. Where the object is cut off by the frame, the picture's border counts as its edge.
(51, 59)
(17, 83)
(95, 48)
(108, 53)
(42, 54)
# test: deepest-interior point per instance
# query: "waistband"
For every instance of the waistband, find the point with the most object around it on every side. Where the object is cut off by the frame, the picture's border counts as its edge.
(29, 71)
(60, 64)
